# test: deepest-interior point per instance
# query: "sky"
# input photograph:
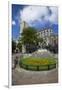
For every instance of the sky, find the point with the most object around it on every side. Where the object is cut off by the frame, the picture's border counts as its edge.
(36, 16)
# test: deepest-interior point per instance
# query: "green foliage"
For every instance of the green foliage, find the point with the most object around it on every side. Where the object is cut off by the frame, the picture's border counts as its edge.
(38, 63)
(19, 45)
(29, 36)
(30, 39)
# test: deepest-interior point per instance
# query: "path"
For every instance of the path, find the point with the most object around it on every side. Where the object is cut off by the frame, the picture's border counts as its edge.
(23, 77)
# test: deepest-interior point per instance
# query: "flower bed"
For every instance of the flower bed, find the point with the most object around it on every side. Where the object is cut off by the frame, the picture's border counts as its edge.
(38, 64)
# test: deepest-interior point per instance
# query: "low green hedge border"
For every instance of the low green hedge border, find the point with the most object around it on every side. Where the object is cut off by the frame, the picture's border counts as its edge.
(38, 64)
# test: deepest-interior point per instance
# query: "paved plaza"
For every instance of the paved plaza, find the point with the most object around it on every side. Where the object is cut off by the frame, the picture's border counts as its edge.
(23, 77)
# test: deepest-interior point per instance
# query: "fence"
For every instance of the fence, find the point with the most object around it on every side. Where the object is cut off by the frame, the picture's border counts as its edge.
(38, 67)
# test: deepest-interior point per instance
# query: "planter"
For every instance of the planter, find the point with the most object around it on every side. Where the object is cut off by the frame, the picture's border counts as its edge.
(38, 64)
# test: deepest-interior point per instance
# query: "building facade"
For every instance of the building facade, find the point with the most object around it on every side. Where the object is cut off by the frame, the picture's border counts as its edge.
(48, 36)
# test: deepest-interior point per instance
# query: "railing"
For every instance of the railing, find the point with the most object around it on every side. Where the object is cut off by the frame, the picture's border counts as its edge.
(38, 67)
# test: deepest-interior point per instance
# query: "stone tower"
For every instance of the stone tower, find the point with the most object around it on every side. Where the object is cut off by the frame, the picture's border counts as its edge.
(23, 25)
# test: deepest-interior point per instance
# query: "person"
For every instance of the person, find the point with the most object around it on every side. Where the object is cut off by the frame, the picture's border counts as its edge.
(15, 62)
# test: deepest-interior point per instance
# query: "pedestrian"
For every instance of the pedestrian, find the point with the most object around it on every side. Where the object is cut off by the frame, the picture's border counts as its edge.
(15, 62)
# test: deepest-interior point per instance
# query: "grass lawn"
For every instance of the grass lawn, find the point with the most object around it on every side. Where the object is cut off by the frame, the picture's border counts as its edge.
(32, 63)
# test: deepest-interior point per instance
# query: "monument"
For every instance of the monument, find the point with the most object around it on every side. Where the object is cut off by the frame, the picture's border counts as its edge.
(23, 25)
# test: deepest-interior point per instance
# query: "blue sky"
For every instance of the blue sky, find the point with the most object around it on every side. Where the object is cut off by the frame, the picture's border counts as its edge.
(36, 16)
(15, 23)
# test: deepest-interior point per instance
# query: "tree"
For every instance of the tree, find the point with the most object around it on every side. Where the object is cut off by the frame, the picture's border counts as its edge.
(29, 39)
(29, 36)
(19, 45)
(13, 46)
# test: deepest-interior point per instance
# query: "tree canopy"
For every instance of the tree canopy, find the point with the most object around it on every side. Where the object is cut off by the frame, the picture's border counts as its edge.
(29, 36)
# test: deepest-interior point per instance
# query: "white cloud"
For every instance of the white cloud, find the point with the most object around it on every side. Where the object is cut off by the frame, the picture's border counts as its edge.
(39, 13)
(13, 22)
(54, 17)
